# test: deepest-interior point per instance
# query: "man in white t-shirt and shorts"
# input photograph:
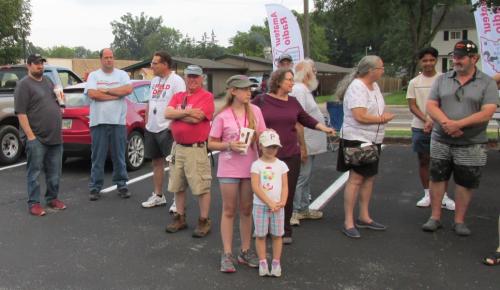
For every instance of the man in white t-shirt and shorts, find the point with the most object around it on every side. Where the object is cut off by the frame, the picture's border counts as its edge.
(421, 125)
(158, 138)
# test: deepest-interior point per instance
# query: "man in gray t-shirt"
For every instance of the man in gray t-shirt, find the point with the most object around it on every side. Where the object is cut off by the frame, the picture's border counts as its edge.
(39, 115)
(461, 103)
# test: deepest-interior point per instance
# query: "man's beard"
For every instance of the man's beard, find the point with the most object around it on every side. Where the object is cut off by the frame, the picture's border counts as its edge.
(313, 84)
(37, 74)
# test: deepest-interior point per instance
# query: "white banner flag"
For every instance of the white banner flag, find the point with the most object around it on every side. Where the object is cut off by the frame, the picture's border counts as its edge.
(488, 32)
(285, 33)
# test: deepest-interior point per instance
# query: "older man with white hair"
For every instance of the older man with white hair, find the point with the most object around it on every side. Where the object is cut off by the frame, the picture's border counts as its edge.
(312, 142)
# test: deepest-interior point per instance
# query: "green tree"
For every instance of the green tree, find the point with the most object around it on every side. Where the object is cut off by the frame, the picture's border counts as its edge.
(60, 52)
(165, 39)
(394, 29)
(251, 43)
(82, 52)
(14, 29)
(318, 42)
(131, 33)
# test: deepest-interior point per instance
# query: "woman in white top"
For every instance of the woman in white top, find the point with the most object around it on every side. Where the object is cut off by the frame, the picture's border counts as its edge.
(364, 120)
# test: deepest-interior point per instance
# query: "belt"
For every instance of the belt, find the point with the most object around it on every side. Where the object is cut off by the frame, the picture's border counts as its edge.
(197, 144)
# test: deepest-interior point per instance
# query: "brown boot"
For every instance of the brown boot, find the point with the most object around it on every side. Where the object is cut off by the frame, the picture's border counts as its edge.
(203, 228)
(178, 223)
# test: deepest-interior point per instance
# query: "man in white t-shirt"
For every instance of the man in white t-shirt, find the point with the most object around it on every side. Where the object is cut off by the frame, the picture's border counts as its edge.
(421, 125)
(107, 88)
(158, 138)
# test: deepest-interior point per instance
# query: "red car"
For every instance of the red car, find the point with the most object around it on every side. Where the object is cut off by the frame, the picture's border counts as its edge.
(75, 124)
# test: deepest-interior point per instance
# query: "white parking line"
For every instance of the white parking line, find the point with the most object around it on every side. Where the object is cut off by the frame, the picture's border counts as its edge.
(142, 177)
(13, 166)
(331, 191)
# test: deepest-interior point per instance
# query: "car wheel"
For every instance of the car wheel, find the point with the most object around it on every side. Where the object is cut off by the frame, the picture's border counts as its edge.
(135, 151)
(11, 146)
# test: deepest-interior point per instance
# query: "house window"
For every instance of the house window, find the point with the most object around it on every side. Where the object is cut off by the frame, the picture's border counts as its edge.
(456, 35)
(444, 65)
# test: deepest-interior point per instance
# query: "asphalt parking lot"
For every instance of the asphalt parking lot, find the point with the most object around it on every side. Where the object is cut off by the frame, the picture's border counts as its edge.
(116, 244)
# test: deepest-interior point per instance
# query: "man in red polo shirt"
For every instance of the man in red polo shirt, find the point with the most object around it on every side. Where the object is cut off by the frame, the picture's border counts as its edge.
(191, 112)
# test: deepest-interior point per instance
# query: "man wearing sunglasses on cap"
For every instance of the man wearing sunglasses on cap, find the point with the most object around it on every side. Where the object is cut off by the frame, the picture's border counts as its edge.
(461, 103)
(191, 113)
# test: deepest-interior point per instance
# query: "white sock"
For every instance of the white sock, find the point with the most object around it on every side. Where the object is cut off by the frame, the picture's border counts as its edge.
(426, 191)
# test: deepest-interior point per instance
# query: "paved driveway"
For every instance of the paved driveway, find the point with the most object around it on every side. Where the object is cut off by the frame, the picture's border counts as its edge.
(115, 244)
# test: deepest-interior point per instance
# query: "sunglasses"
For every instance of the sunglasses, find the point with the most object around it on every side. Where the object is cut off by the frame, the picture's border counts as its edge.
(459, 93)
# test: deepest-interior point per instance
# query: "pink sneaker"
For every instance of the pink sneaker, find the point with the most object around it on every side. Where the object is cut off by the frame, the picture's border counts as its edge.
(37, 210)
(57, 204)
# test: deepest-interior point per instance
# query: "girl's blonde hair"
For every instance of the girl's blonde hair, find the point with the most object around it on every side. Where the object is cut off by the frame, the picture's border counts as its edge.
(252, 124)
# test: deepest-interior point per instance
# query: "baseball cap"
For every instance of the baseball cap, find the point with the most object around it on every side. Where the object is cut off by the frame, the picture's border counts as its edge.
(193, 70)
(269, 138)
(239, 81)
(36, 57)
(285, 56)
(464, 47)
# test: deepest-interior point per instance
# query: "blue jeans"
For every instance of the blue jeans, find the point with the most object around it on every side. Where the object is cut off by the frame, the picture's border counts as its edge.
(46, 158)
(104, 137)
(303, 190)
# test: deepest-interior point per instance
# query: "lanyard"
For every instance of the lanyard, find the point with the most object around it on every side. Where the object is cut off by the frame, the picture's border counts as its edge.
(163, 91)
(237, 122)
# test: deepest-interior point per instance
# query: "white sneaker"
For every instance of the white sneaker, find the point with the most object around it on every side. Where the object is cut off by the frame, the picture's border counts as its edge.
(448, 203)
(263, 269)
(276, 270)
(294, 221)
(173, 207)
(154, 200)
(425, 201)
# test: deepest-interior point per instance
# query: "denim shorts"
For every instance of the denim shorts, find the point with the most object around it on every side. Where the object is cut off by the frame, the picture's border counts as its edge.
(230, 180)
(421, 141)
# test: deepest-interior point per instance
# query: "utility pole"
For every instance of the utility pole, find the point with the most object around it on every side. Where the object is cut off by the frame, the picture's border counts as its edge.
(306, 28)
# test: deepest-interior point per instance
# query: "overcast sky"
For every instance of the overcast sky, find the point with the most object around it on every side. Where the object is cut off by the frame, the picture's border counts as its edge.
(87, 22)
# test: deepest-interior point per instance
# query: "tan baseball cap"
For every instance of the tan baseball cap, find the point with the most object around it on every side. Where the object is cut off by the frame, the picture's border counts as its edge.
(269, 138)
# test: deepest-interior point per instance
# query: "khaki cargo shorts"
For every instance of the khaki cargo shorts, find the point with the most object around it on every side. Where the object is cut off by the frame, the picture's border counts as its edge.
(191, 167)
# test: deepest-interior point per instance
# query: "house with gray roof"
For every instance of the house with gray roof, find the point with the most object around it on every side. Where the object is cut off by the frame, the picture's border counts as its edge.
(458, 24)
(216, 72)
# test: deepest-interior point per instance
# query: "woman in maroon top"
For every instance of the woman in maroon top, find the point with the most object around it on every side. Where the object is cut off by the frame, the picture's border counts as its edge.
(282, 113)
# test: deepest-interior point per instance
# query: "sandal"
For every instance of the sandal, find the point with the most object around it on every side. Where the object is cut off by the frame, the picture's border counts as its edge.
(493, 259)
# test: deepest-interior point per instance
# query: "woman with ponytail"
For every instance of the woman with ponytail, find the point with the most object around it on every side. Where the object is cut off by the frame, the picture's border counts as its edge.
(233, 172)
(364, 120)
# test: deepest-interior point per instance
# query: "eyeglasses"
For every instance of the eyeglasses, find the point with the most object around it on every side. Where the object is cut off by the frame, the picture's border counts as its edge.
(382, 68)
(289, 79)
(193, 76)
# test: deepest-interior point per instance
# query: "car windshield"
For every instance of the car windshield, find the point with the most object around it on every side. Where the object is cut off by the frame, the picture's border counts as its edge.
(76, 99)
(10, 76)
